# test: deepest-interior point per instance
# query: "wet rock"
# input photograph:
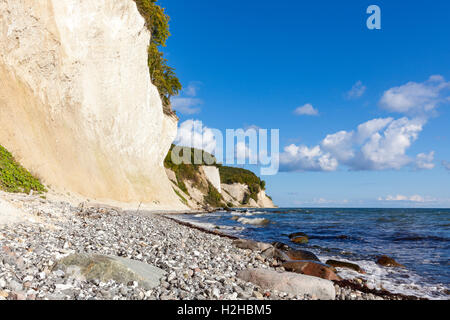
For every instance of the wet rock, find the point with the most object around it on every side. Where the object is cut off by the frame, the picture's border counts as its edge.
(386, 261)
(283, 253)
(302, 255)
(300, 240)
(311, 268)
(252, 245)
(291, 283)
(121, 270)
(297, 234)
(346, 265)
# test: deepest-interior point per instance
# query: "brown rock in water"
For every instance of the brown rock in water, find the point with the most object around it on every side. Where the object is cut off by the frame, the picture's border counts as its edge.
(346, 265)
(281, 246)
(297, 234)
(386, 261)
(300, 240)
(311, 268)
(301, 255)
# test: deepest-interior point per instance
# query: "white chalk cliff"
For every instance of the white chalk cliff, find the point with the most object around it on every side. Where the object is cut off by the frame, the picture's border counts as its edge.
(213, 175)
(235, 193)
(77, 106)
(232, 194)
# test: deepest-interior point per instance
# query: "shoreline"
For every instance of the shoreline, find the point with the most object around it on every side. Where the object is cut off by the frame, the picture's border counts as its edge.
(199, 264)
(344, 283)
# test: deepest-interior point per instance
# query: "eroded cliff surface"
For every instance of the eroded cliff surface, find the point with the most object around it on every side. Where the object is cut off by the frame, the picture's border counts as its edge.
(77, 106)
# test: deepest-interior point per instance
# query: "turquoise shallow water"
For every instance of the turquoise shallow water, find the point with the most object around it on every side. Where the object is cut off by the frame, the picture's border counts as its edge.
(416, 238)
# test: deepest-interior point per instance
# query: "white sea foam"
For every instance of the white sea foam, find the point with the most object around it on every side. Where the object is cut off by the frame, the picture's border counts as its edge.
(246, 214)
(206, 225)
(394, 280)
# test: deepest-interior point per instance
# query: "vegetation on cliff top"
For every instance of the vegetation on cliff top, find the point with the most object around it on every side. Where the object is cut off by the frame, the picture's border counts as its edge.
(183, 171)
(162, 76)
(213, 198)
(15, 178)
(231, 175)
(228, 175)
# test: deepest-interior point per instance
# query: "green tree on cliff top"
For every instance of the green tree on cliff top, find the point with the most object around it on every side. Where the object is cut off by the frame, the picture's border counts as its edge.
(162, 76)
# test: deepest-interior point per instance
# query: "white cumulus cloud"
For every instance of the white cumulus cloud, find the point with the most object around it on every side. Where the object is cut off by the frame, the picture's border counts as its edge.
(302, 158)
(399, 197)
(306, 110)
(356, 91)
(425, 161)
(188, 103)
(340, 145)
(416, 98)
(378, 144)
(446, 164)
(192, 88)
(387, 149)
(243, 152)
(192, 133)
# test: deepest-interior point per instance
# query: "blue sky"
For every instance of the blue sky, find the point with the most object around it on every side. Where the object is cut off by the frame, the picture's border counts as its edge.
(312, 69)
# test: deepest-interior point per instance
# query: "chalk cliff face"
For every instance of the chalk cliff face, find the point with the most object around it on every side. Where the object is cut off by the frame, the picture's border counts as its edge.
(77, 106)
(213, 176)
(235, 193)
(232, 194)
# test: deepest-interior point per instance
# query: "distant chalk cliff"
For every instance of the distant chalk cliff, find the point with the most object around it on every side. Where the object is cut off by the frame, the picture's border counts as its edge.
(202, 186)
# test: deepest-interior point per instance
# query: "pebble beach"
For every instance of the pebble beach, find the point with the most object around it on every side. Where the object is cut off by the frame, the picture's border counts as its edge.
(198, 265)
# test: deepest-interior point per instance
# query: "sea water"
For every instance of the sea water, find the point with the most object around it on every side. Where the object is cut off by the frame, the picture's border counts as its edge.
(419, 239)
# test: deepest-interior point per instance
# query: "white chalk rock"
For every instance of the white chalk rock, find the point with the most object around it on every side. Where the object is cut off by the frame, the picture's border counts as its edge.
(77, 106)
(213, 175)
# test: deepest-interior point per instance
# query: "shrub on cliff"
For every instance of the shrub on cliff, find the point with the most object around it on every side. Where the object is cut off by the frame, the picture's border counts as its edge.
(228, 175)
(231, 175)
(187, 171)
(213, 197)
(162, 76)
(15, 178)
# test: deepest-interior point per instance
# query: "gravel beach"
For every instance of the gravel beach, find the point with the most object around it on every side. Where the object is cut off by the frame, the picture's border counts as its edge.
(198, 265)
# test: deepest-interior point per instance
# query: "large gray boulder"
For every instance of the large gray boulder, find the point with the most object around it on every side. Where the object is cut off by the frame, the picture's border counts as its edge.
(293, 283)
(105, 268)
